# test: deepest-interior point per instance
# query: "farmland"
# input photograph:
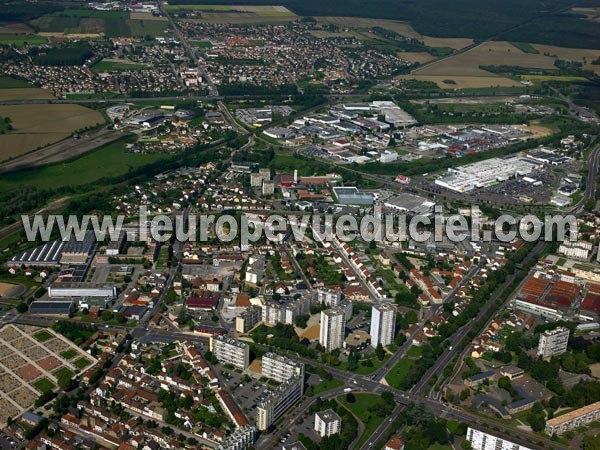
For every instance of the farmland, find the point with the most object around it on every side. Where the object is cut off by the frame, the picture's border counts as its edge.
(402, 28)
(110, 160)
(465, 71)
(39, 125)
(84, 22)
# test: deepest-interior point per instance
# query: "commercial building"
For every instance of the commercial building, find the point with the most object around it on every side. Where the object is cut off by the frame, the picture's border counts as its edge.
(352, 196)
(486, 173)
(73, 251)
(278, 402)
(246, 320)
(553, 342)
(481, 440)
(294, 446)
(406, 203)
(280, 368)
(333, 325)
(54, 307)
(383, 322)
(230, 351)
(329, 297)
(76, 290)
(327, 423)
(574, 419)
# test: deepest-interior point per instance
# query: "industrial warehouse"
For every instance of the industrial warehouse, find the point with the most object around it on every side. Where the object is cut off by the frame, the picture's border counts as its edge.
(487, 173)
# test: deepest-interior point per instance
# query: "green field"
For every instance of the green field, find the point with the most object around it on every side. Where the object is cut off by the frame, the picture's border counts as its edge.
(69, 354)
(398, 372)
(275, 14)
(90, 13)
(44, 385)
(199, 8)
(108, 161)
(541, 78)
(362, 408)
(201, 44)
(42, 336)
(526, 48)
(414, 351)
(153, 28)
(19, 40)
(107, 66)
(13, 83)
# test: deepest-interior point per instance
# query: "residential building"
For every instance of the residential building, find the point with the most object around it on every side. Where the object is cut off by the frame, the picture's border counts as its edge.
(574, 419)
(329, 297)
(333, 325)
(383, 322)
(280, 368)
(395, 443)
(230, 351)
(278, 402)
(246, 320)
(481, 440)
(327, 423)
(553, 342)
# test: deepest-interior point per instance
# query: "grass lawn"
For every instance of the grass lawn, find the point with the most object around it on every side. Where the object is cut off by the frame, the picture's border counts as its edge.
(43, 336)
(414, 351)
(366, 370)
(82, 363)
(325, 385)
(362, 408)
(398, 372)
(13, 83)
(19, 40)
(108, 161)
(201, 44)
(69, 354)
(117, 66)
(44, 385)
(437, 446)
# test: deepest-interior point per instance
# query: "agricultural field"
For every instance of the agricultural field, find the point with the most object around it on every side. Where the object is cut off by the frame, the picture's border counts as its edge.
(403, 28)
(592, 14)
(108, 161)
(415, 57)
(39, 125)
(583, 55)
(463, 70)
(92, 23)
(25, 94)
(563, 79)
(234, 14)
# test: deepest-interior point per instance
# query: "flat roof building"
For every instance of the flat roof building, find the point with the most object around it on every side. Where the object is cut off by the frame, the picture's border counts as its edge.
(280, 368)
(383, 323)
(327, 423)
(230, 351)
(574, 419)
(553, 342)
(278, 402)
(333, 326)
(480, 440)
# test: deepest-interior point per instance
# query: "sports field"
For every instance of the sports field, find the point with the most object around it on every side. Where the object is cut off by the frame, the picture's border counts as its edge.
(107, 65)
(39, 125)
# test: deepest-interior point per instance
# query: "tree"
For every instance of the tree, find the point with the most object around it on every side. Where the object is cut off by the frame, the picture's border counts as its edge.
(22, 307)
(380, 352)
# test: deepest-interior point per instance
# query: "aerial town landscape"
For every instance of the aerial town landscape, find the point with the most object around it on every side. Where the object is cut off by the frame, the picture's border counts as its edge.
(286, 178)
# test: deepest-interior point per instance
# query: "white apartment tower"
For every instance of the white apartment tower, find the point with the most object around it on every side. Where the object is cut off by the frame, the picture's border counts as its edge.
(553, 342)
(333, 325)
(383, 323)
(230, 351)
(327, 423)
